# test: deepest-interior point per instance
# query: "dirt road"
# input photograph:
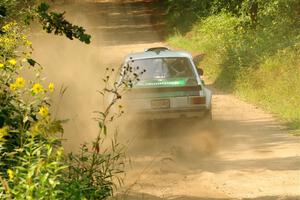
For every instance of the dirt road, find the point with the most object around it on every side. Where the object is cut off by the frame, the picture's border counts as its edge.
(247, 154)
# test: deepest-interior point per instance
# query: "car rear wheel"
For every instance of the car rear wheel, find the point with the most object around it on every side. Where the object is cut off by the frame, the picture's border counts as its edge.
(208, 115)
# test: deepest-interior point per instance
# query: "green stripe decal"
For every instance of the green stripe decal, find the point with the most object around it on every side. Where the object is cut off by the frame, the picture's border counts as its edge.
(162, 82)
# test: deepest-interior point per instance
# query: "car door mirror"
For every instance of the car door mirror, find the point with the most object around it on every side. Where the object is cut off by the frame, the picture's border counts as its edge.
(198, 58)
(200, 71)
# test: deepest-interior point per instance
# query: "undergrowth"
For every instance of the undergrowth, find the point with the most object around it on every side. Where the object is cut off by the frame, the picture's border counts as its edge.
(257, 60)
(33, 164)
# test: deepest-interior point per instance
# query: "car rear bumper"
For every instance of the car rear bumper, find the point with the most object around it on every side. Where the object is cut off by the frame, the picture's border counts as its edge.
(170, 114)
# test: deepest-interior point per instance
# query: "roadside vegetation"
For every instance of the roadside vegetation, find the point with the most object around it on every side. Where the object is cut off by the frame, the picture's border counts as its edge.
(251, 47)
(33, 164)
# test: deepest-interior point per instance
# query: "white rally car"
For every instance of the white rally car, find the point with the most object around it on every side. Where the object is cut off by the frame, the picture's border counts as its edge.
(171, 86)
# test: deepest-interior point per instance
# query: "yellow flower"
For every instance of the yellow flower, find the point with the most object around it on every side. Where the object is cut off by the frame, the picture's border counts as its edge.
(10, 174)
(28, 43)
(51, 87)
(44, 111)
(3, 132)
(7, 40)
(13, 87)
(1, 65)
(6, 27)
(20, 82)
(60, 152)
(12, 61)
(37, 88)
(35, 129)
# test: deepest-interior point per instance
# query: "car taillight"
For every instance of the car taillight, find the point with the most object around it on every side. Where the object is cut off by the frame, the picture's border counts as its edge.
(197, 100)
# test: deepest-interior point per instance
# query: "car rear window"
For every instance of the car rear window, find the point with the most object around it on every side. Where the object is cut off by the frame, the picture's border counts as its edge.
(164, 68)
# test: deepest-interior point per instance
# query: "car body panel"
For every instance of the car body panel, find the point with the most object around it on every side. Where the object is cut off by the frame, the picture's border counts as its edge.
(162, 98)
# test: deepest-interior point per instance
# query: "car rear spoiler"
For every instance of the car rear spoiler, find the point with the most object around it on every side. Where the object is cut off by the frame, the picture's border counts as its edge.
(157, 49)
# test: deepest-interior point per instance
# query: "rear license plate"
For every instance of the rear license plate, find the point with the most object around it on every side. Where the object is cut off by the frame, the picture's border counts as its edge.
(161, 103)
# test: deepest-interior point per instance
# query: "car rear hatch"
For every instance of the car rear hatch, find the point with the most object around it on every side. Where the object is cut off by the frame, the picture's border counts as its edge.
(165, 94)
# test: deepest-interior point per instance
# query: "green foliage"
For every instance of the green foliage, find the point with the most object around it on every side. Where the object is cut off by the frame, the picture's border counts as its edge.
(257, 58)
(91, 174)
(37, 172)
(96, 170)
(52, 22)
(183, 14)
(55, 22)
(15, 10)
(30, 153)
(275, 84)
(32, 162)
(187, 12)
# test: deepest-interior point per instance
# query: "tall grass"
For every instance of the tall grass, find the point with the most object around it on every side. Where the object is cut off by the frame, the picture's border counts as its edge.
(259, 63)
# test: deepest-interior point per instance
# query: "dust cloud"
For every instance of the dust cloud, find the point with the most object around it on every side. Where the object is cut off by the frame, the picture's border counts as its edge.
(80, 68)
(77, 68)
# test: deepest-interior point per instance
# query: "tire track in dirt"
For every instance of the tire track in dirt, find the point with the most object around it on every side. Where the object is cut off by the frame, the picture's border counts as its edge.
(246, 154)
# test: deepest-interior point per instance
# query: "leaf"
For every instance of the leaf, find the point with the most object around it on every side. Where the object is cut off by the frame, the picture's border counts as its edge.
(3, 11)
(84, 159)
(31, 62)
(43, 7)
(25, 119)
(56, 126)
(105, 130)
(54, 22)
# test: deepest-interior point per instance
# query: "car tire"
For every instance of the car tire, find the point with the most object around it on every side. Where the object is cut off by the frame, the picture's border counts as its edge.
(208, 115)
(207, 121)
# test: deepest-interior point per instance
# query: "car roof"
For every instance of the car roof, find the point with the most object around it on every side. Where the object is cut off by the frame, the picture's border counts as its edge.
(165, 53)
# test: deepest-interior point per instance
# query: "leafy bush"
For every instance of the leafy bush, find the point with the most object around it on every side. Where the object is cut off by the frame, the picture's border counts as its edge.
(33, 164)
(96, 170)
(275, 85)
(34, 10)
(30, 153)
(246, 55)
(183, 14)
(32, 160)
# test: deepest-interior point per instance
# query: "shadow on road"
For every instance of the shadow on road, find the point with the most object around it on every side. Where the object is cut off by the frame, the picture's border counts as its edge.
(119, 22)
(141, 196)
(229, 154)
(217, 148)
